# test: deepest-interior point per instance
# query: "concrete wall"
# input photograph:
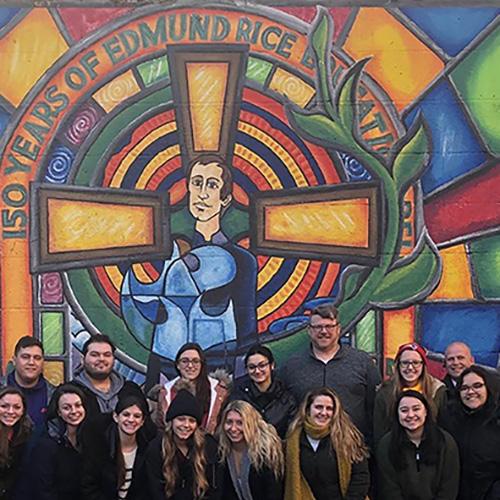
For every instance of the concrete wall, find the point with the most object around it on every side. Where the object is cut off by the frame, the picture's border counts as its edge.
(372, 184)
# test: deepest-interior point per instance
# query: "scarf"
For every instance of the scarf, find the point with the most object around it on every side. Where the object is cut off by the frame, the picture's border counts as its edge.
(240, 483)
(296, 486)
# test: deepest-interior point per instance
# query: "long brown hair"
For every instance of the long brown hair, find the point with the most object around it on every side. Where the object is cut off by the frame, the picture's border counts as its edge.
(345, 438)
(171, 469)
(201, 384)
(21, 430)
(264, 445)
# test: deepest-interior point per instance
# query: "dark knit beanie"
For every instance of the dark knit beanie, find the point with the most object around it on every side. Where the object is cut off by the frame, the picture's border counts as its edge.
(127, 400)
(184, 403)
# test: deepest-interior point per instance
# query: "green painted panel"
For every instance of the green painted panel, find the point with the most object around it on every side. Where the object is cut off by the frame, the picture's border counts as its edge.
(154, 71)
(485, 257)
(366, 333)
(98, 149)
(258, 70)
(476, 78)
(53, 333)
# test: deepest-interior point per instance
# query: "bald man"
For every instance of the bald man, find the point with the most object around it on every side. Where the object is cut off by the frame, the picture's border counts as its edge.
(457, 357)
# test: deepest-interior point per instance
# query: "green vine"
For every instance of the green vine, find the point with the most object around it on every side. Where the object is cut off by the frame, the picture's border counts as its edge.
(395, 282)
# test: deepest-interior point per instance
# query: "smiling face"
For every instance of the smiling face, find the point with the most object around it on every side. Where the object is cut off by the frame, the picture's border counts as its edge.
(28, 364)
(410, 366)
(473, 392)
(411, 414)
(70, 408)
(204, 186)
(11, 409)
(183, 427)
(189, 364)
(259, 369)
(233, 427)
(321, 410)
(99, 360)
(129, 420)
(457, 358)
(324, 332)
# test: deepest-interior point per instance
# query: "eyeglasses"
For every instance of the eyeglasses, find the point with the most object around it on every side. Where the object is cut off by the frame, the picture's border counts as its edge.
(411, 362)
(261, 366)
(187, 362)
(328, 328)
(474, 387)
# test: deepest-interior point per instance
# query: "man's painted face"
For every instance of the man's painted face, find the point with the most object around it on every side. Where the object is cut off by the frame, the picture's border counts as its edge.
(204, 187)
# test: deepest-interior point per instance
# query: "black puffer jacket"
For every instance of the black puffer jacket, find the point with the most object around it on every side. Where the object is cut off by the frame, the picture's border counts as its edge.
(477, 434)
(277, 405)
(56, 465)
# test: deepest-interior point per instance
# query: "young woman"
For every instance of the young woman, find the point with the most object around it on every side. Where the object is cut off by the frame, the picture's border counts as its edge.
(15, 431)
(326, 458)
(475, 424)
(410, 372)
(210, 392)
(251, 453)
(182, 463)
(57, 458)
(114, 454)
(264, 391)
(417, 460)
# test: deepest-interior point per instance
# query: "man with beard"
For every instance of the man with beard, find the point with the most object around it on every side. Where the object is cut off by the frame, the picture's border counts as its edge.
(101, 384)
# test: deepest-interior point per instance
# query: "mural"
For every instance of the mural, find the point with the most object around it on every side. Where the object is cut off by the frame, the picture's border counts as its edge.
(210, 174)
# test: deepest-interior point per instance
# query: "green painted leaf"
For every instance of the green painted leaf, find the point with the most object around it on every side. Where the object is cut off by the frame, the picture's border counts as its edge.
(352, 279)
(411, 159)
(346, 96)
(413, 278)
(320, 128)
(321, 35)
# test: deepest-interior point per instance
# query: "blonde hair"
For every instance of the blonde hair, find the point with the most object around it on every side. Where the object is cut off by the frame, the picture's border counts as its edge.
(264, 445)
(345, 438)
(171, 469)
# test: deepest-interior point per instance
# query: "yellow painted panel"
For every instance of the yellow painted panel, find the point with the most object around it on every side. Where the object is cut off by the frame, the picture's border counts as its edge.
(53, 371)
(207, 84)
(81, 225)
(336, 222)
(398, 328)
(456, 282)
(400, 62)
(27, 51)
(117, 91)
(292, 87)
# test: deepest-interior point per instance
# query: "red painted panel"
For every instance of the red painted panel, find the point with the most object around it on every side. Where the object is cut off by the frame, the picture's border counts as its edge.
(467, 208)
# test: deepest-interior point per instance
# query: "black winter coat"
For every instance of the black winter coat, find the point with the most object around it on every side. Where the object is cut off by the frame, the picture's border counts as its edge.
(184, 488)
(277, 405)
(100, 459)
(56, 466)
(263, 485)
(320, 470)
(11, 477)
(478, 437)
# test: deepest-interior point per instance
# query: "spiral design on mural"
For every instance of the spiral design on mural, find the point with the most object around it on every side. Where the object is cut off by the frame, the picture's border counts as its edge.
(295, 89)
(354, 169)
(60, 165)
(117, 91)
(84, 122)
(51, 290)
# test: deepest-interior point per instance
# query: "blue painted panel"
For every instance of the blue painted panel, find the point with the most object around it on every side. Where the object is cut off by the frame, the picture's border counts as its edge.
(6, 14)
(451, 28)
(4, 119)
(476, 325)
(456, 149)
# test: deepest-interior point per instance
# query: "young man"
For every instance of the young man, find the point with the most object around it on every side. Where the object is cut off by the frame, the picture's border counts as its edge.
(27, 376)
(328, 363)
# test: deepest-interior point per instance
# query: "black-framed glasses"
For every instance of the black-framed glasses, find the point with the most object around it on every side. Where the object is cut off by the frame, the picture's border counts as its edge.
(260, 366)
(473, 387)
(318, 328)
(187, 362)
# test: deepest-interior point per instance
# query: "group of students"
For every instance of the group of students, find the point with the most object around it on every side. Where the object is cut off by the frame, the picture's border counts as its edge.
(204, 440)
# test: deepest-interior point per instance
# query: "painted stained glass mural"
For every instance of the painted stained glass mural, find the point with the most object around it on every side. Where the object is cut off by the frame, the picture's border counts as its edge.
(211, 174)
